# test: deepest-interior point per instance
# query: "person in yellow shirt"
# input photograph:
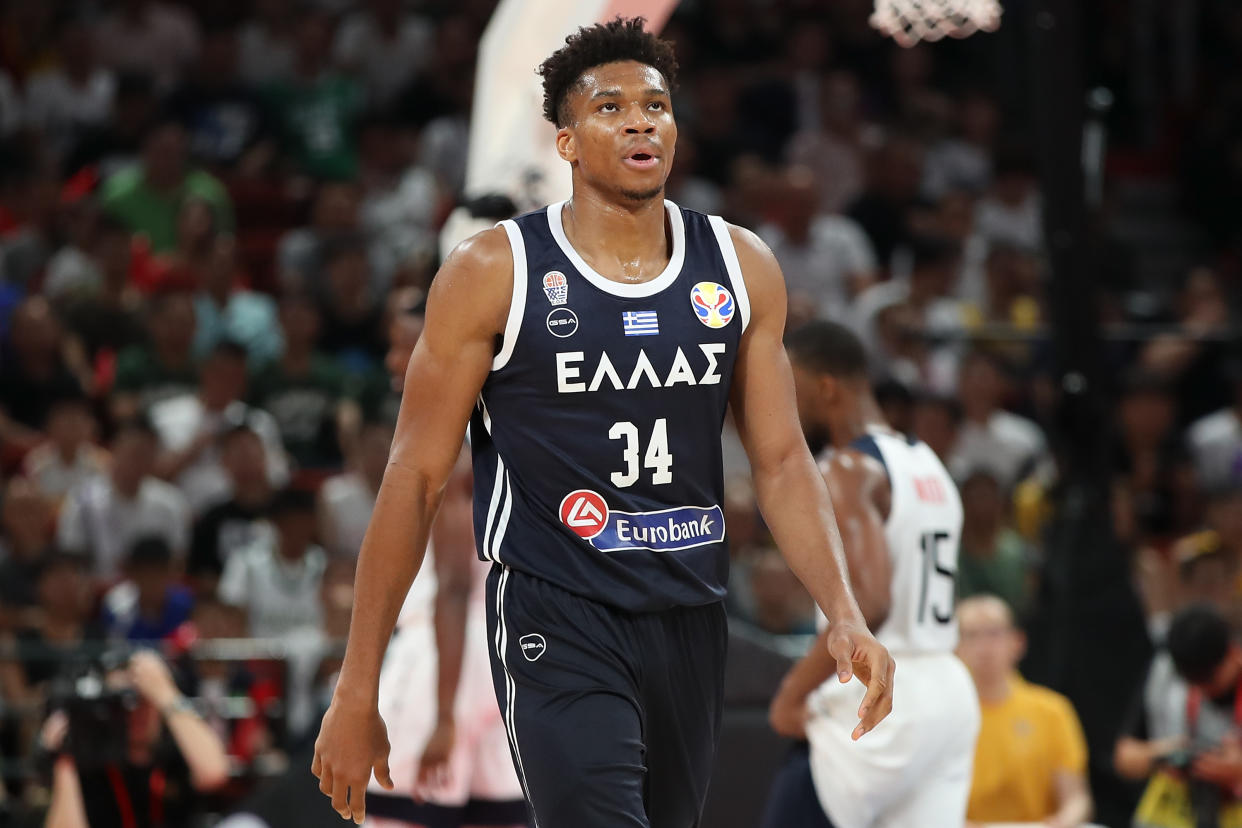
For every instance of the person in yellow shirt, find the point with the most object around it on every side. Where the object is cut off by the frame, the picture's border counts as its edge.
(1031, 757)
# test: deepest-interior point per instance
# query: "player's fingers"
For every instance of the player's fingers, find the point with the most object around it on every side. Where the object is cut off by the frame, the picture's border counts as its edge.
(325, 780)
(878, 701)
(842, 649)
(358, 802)
(316, 765)
(340, 796)
(382, 773)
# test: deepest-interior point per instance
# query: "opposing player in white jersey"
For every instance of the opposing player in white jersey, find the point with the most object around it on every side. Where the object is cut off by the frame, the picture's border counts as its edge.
(900, 517)
(449, 754)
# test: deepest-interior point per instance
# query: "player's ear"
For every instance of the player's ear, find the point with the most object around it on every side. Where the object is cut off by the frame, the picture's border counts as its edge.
(566, 146)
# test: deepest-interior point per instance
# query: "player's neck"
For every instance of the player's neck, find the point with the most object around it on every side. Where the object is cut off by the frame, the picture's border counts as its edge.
(863, 416)
(622, 243)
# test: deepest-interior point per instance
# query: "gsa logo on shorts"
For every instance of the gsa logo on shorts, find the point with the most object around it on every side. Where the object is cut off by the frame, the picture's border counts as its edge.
(713, 304)
(562, 322)
(533, 645)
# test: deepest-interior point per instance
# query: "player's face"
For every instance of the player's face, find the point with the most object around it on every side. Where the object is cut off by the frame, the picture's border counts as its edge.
(621, 134)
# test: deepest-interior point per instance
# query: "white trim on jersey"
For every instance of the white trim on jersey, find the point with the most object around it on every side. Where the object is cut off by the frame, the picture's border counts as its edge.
(502, 645)
(628, 291)
(517, 303)
(502, 501)
(733, 266)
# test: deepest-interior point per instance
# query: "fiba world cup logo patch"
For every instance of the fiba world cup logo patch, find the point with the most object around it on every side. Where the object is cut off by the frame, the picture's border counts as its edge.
(556, 286)
(713, 304)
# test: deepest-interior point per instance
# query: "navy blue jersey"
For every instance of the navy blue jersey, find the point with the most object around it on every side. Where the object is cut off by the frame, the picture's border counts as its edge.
(596, 438)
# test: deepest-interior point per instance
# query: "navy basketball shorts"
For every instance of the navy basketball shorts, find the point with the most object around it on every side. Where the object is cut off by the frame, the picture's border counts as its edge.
(613, 717)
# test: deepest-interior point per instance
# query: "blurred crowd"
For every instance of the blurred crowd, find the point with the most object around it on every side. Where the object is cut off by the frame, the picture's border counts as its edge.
(217, 221)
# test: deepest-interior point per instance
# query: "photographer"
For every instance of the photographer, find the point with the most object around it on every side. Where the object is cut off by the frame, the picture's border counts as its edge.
(1185, 731)
(130, 751)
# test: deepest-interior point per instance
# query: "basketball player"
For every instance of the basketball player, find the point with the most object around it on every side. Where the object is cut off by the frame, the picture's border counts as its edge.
(594, 346)
(450, 754)
(901, 518)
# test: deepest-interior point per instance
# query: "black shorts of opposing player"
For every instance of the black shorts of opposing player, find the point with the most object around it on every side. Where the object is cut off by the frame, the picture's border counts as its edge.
(613, 716)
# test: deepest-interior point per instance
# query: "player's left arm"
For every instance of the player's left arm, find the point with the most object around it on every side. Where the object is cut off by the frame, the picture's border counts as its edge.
(791, 492)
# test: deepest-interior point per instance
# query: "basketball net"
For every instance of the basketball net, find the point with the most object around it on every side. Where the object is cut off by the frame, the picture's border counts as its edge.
(909, 21)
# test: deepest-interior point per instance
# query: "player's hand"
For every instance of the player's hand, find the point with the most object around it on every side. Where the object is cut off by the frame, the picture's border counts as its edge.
(787, 715)
(352, 741)
(433, 767)
(858, 653)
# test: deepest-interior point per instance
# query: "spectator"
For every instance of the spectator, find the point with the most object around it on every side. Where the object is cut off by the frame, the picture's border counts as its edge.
(56, 638)
(1012, 212)
(305, 390)
(116, 142)
(224, 309)
(385, 46)
(35, 373)
(300, 255)
(346, 500)
(317, 109)
(70, 455)
(148, 196)
(836, 150)
(27, 523)
(65, 101)
(225, 118)
(826, 259)
(402, 202)
(147, 36)
(190, 426)
(994, 558)
(351, 310)
(239, 522)
(1150, 465)
(1188, 737)
(937, 421)
(884, 208)
(276, 580)
(166, 760)
(266, 43)
(163, 369)
(964, 162)
(1215, 441)
(1010, 446)
(105, 516)
(1031, 761)
(149, 605)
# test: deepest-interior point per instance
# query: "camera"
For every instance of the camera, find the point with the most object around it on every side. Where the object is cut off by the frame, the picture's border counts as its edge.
(98, 711)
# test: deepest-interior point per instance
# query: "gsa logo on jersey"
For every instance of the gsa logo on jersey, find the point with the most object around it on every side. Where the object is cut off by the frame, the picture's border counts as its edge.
(666, 530)
(562, 322)
(713, 304)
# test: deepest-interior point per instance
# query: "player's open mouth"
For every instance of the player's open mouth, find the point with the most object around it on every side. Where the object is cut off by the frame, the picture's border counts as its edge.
(641, 160)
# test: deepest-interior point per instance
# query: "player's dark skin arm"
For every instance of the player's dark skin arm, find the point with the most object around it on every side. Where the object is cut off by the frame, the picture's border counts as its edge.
(791, 492)
(861, 495)
(453, 534)
(466, 311)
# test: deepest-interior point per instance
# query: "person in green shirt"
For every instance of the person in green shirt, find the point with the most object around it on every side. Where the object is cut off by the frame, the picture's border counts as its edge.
(147, 197)
(994, 559)
(317, 110)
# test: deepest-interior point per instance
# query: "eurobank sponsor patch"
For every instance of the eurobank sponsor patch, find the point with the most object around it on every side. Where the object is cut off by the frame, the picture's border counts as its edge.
(668, 530)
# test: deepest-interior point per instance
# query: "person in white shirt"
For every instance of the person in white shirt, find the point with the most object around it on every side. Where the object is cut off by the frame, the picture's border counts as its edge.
(66, 100)
(70, 456)
(189, 427)
(104, 516)
(346, 499)
(385, 46)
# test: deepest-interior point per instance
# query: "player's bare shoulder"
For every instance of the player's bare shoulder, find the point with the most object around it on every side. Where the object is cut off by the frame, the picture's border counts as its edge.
(474, 285)
(855, 474)
(764, 282)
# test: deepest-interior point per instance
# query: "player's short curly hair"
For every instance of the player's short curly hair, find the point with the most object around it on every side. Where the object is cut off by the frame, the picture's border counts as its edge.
(616, 40)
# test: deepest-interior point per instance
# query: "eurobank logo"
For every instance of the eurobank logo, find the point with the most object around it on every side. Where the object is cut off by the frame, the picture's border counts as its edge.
(667, 530)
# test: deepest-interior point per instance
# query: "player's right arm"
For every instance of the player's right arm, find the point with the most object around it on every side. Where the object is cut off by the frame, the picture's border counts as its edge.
(861, 497)
(466, 312)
